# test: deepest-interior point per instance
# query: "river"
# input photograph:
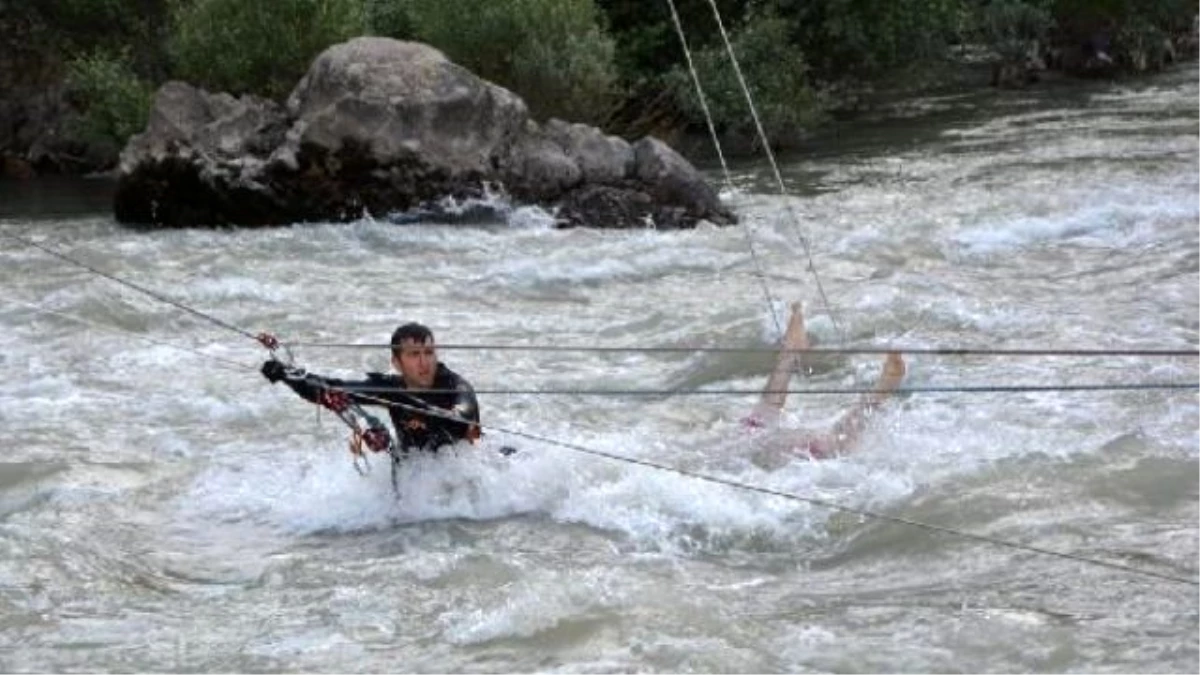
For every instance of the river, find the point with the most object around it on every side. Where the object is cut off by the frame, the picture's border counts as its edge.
(163, 508)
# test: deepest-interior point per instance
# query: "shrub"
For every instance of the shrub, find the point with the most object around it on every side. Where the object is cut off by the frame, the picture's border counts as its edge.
(776, 74)
(389, 18)
(264, 48)
(865, 39)
(1011, 28)
(555, 54)
(1136, 31)
(116, 101)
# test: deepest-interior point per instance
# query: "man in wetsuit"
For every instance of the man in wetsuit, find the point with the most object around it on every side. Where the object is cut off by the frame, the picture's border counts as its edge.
(430, 405)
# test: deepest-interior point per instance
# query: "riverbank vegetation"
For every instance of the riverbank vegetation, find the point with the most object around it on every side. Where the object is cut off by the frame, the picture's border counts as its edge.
(81, 72)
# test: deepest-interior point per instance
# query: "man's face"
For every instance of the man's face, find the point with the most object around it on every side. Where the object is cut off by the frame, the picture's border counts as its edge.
(416, 363)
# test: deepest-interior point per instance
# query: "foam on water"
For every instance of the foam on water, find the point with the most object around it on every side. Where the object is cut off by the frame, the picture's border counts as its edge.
(534, 606)
(1109, 219)
(626, 258)
(530, 218)
(214, 500)
(290, 489)
(301, 491)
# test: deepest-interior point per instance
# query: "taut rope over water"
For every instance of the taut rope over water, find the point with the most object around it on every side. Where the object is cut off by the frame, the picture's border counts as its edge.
(833, 506)
(272, 346)
(783, 192)
(875, 515)
(934, 351)
(712, 130)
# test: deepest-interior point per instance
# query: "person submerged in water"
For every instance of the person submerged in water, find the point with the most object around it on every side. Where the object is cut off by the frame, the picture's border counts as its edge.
(849, 427)
(430, 405)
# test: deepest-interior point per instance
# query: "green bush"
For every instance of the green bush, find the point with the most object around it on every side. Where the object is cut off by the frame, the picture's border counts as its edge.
(1080, 18)
(1011, 27)
(866, 39)
(389, 18)
(60, 30)
(264, 48)
(1137, 30)
(1139, 45)
(116, 101)
(776, 74)
(555, 54)
(645, 31)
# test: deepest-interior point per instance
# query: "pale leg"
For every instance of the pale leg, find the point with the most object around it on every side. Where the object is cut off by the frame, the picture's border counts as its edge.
(846, 431)
(774, 395)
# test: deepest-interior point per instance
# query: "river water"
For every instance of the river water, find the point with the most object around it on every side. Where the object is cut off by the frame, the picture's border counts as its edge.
(163, 508)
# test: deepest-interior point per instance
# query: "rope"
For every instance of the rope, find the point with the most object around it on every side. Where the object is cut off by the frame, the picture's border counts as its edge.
(833, 506)
(980, 389)
(646, 463)
(129, 284)
(223, 362)
(939, 351)
(712, 130)
(737, 69)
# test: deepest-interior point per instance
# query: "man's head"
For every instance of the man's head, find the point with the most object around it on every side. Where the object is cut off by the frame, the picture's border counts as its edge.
(414, 356)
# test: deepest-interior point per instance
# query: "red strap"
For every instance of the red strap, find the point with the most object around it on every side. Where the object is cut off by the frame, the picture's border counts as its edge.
(269, 341)
(376, 439)
(337, 401)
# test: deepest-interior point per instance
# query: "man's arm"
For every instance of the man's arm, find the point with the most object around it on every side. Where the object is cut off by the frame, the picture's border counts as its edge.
(465, 407)
(375, 390)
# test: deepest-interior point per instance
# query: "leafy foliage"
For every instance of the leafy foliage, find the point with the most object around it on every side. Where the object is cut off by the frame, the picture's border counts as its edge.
(776, 75)
(116, 101)
(575, 59)
(555, 54)
(390, 18)
(646, 37)
(862, 39)
(1011, 27)
(243, 46)
(1136, 31)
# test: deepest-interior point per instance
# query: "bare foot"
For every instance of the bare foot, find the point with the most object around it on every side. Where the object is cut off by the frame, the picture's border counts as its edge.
(795, 338)
(893, 374)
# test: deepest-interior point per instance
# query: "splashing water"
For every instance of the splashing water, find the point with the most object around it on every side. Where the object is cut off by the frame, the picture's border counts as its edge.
(159, 512)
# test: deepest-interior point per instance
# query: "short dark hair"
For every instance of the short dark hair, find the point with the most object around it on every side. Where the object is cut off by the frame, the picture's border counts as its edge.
(412, 331)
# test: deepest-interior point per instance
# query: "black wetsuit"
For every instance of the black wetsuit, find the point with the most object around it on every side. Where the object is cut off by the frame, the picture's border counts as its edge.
(450, 393)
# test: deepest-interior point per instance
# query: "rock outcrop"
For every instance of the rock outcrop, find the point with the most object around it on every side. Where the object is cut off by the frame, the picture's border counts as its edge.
(383, 126)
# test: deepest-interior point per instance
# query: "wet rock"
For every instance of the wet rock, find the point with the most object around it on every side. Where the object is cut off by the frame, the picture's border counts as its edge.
(38, 130)
(383, 126)
(15, 168)
(601, 158)
(672, 181)
(607, 206)
(199, 161)
(537, 168)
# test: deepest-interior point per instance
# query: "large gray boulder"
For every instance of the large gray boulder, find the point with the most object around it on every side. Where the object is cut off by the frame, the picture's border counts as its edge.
(200, 160)
(536, 167)
(601, 158)
(384, 126)
(38, 134)
(397, 100)
(660, 189)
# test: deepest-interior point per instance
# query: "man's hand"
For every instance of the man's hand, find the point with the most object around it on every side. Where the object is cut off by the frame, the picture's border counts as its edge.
(274, 371)
(377, 438)
(335, 400)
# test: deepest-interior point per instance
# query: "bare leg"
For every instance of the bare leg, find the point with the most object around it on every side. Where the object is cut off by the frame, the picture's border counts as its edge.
(774, 394)
(846, 431)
